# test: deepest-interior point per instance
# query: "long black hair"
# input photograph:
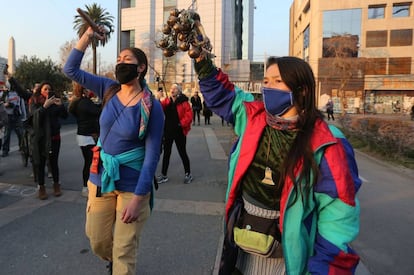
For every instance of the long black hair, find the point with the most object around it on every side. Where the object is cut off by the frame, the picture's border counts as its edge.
(298, 76)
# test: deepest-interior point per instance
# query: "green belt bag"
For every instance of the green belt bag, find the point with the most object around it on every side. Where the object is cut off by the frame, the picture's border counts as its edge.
(257, 235)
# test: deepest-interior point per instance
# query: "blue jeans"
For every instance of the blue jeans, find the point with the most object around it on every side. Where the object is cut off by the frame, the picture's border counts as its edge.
(14, 124)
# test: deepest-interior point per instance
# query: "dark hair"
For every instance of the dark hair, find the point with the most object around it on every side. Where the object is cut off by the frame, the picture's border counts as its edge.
(39, 88)
(37, 97)
(298, 76)
(78, 90)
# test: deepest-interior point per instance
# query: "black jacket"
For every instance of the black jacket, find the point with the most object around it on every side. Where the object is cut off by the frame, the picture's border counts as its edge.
(45, 124)
(196, 103)
(87, 116)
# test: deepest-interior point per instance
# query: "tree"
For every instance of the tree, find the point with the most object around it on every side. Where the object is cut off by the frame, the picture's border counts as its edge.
(33, 70)
(65, 50)
(101, 17)
(340, 64)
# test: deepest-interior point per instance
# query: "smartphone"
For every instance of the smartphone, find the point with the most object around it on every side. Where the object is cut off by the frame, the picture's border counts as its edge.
(51, 94)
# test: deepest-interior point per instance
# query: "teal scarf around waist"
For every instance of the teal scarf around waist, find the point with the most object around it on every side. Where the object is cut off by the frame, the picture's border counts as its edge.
(133, 159)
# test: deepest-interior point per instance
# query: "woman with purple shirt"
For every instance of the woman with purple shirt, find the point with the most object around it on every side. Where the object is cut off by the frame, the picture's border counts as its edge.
(131, 128)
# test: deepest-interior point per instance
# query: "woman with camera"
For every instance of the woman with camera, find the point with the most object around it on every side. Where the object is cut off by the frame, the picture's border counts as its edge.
(46, 108)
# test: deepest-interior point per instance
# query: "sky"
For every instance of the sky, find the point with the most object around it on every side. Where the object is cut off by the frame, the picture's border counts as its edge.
(40, 28)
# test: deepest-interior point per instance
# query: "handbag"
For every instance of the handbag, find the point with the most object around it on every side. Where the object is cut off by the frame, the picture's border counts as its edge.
(257, 235)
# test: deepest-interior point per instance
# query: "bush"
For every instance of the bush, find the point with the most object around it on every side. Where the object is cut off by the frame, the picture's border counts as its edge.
(390, 138)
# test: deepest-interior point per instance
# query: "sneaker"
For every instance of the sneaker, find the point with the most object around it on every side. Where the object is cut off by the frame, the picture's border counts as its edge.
(188, 178)
(49, 175)
(85, 191)
(162, 179)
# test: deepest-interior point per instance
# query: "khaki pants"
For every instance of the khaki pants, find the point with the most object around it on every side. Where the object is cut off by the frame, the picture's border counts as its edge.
(110, 238)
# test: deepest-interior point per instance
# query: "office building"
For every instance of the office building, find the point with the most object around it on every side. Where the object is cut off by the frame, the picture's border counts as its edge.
(361, 51)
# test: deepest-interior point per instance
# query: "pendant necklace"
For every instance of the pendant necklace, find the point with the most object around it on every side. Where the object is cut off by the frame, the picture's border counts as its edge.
(268, 171)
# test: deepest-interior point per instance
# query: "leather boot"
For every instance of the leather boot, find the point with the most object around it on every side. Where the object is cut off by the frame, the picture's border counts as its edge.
(56, 190)
(42, 192)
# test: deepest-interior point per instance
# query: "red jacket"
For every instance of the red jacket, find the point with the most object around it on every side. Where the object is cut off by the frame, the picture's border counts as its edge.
(185, 113)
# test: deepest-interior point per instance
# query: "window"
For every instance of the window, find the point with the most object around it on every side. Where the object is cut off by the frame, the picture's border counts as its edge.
(127, 39)
(376, 11)
(376, 39)
(306, 43)
(341, 22)
(376, 66)
(344, 46)
(127, 4)
(401, 10)
(399, 65)
(341, 32)
(401, 37)
(132, 38)
(307, 7)
(170, 3)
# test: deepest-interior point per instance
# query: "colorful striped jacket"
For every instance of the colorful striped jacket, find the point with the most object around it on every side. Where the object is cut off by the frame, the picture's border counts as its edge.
(315, 235)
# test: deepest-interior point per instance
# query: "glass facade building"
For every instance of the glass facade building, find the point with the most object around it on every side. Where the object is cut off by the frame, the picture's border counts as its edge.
(362, 52)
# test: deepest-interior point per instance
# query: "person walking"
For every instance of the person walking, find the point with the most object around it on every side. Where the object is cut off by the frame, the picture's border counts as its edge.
(46, 109)
(4, 115)
(196, 107)
(26, 129)
(178, 117)
(87, 114)
(207, 113)
(329, 109)
(291, 204)
(120, 185)
(15, 109)
(3, 119)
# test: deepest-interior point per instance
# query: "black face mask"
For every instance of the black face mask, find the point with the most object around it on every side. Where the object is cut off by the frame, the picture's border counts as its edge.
(125, 72)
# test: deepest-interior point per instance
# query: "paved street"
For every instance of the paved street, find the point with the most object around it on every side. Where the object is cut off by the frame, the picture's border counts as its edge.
(183, 235)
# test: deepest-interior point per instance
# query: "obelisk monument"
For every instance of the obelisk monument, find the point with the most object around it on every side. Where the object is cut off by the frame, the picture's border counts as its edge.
(11, 60)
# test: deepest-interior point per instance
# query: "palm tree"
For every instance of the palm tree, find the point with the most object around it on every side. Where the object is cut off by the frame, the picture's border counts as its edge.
(101, 17)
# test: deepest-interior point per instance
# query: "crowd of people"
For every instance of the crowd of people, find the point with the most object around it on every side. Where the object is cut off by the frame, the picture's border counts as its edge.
(34, 114)
(291, 204)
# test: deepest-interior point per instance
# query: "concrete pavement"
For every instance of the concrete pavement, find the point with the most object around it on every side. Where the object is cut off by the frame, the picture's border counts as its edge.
(182, 236)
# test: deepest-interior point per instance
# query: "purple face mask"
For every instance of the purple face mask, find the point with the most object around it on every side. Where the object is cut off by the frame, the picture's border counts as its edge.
(276, 101)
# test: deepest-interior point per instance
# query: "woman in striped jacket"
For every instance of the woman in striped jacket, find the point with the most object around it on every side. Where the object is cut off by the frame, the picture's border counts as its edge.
(291, 203)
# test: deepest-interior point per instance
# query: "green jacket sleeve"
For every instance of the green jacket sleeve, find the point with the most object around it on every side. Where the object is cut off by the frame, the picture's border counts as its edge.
(204, 67)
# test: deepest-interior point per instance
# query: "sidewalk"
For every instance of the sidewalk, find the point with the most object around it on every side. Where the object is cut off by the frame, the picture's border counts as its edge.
(182, 236)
